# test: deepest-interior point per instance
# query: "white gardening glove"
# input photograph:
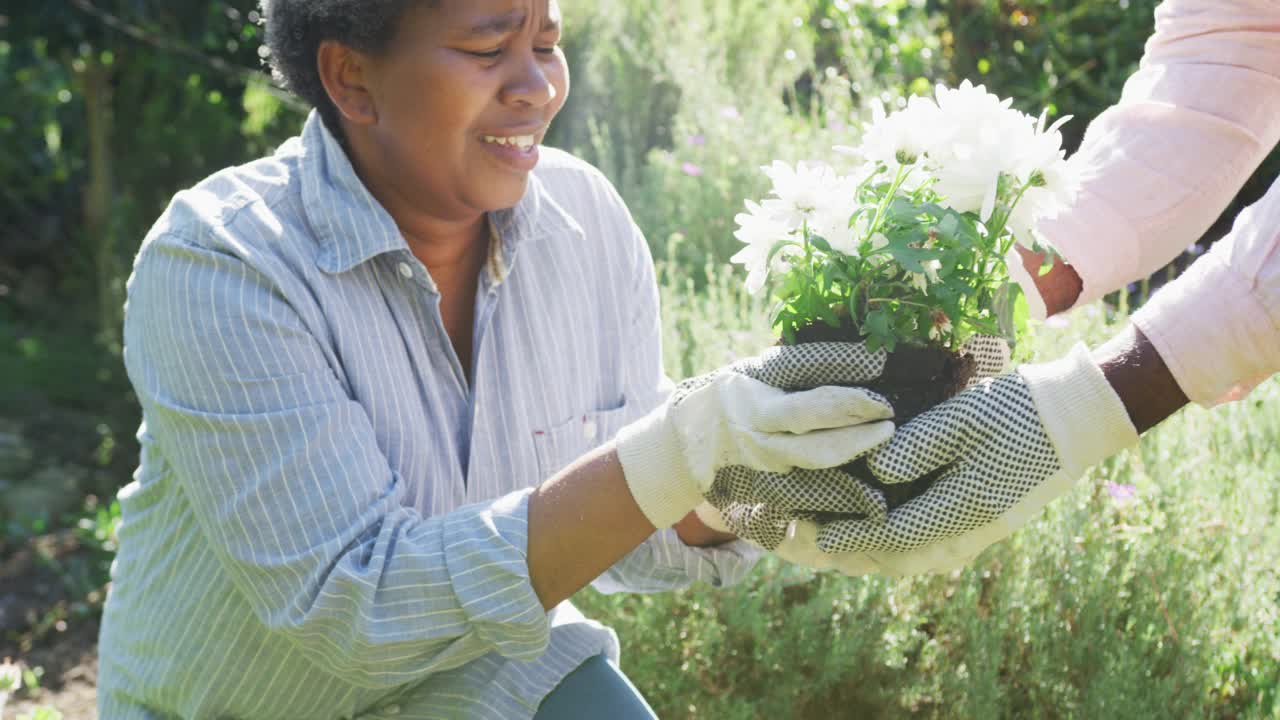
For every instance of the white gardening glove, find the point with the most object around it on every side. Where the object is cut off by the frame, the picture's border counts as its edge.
(731, 418)
(1003, 450)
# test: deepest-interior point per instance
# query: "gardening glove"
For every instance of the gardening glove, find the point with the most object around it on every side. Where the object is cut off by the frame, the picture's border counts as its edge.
(743, 416)
(759, 506)
(991, 354)
(766, 519)
(1002, 451)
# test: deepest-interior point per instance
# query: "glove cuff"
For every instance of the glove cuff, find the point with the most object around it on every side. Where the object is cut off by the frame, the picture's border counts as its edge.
(653, 463)
(1083, 416)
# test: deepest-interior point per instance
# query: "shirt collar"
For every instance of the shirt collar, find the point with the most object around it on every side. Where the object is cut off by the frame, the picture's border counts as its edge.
(352, 227)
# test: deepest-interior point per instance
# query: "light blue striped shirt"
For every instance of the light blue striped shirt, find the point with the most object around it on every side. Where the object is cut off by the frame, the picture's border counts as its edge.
(328, 520)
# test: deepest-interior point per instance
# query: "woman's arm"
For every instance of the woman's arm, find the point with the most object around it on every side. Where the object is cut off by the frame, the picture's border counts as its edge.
(292, 494)
(1159, 167)
(1140, 377)
(1217, 327)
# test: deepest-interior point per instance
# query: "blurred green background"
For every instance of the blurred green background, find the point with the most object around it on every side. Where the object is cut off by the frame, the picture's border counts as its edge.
(1150, 592)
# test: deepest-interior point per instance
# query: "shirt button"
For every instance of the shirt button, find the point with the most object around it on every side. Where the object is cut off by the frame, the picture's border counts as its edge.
(405, 270)
(392, 709)
(589, 429)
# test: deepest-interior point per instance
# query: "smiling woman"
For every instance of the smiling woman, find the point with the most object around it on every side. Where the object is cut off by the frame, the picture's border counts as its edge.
(381, 374)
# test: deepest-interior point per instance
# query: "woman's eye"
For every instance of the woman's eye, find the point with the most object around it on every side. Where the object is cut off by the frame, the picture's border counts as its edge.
(546, 50)
(489, 55)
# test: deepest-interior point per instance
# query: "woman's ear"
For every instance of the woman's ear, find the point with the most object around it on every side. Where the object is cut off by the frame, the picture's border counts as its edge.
(345, 75)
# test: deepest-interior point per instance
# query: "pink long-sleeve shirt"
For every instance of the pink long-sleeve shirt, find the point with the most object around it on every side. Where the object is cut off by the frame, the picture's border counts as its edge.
(1194, 122)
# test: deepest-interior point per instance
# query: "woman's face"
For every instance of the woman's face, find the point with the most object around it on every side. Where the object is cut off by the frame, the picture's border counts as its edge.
(463, 98)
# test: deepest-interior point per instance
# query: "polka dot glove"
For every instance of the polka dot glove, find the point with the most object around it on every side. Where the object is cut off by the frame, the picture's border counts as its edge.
(1002, 450)
(744, 420)
(762, 507)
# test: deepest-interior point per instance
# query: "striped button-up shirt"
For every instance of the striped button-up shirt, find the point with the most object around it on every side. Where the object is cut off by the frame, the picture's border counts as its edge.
(330, 519)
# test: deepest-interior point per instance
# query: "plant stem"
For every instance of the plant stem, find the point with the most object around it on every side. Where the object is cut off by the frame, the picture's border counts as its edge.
(883, 207)
(994, 231)
(1004, 222)
(901, 302)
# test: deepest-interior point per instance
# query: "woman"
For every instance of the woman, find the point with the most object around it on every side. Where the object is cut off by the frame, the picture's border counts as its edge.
(380, 374)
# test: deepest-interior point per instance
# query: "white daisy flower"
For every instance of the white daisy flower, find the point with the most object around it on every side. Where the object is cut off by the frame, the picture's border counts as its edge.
(903, 138)
(928, 277)
(759, 230)
(807, 192)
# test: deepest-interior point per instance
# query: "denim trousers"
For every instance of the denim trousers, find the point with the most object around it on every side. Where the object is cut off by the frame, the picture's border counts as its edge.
(597, 689)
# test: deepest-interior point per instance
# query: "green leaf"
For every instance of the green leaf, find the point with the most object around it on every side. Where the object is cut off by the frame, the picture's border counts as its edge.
(904, 212)
(1012, 312)
(776, 248)
(775, 314)
(948, 226)
(862, 210)
(838, 271)
(877, 324)
(909, 257)
(821, 243)
(986, 326)
(792, 285)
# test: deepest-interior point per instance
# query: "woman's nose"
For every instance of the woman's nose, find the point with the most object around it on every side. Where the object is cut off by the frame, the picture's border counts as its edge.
(529, 85)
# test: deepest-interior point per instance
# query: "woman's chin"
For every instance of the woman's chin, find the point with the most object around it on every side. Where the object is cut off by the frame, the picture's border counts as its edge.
(503, 194)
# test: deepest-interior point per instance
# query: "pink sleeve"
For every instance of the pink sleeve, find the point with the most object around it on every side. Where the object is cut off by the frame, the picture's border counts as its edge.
(1218, 326)
(1194, 122)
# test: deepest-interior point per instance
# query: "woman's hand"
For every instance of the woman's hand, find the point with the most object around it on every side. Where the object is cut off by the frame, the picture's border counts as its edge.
(1001, 451)
(737, 419)
(741, 419)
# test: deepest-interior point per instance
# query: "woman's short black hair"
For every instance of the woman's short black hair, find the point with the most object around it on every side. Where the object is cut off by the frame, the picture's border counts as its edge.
(295, 29)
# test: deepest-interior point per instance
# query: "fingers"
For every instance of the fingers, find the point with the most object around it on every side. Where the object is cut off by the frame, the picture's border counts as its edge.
(760, 506)
(759, 523)
(991, 353)
(781, 452)
(952, 506)
(810, 492)
(817, 409)
(749, 515)
(798, 367)
(799, 492)
(929, 442)
(800, 548)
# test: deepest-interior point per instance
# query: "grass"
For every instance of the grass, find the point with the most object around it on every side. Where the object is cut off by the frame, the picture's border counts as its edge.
(1162, 605)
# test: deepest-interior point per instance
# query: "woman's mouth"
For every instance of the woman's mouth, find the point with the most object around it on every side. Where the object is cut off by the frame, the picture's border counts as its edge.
(517, 152)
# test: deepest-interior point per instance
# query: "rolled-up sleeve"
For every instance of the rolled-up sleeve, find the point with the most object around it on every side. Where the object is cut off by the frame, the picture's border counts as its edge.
(1218, 326)
(663, 562)
(300, 507)
(1193, 124)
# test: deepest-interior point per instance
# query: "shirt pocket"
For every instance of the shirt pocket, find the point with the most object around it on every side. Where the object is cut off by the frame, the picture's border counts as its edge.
(569, 440)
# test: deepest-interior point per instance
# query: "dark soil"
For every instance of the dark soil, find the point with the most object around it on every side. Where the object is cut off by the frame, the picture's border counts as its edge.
(915, 379)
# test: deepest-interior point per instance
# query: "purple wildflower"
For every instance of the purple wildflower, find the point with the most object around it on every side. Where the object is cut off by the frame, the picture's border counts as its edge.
(1122, 493)
(697, 140)
(691, 170)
